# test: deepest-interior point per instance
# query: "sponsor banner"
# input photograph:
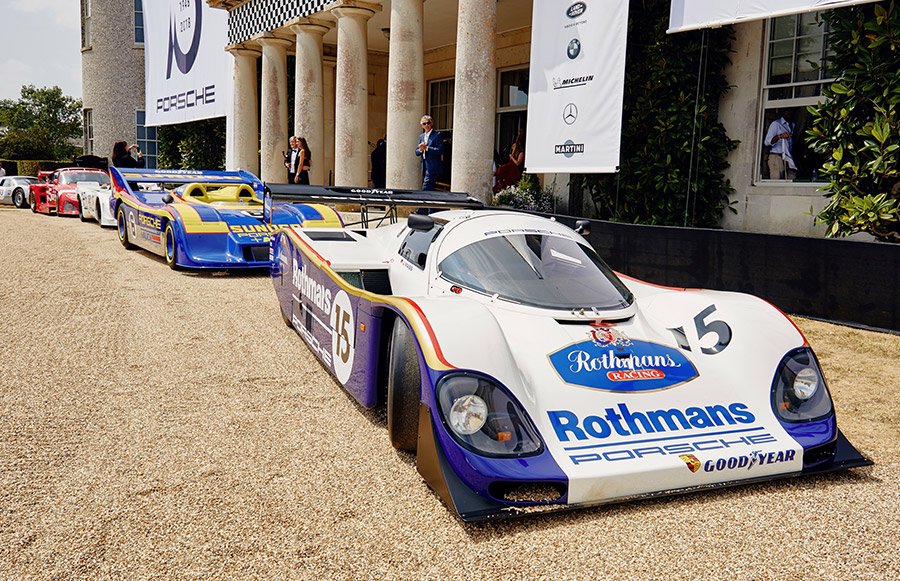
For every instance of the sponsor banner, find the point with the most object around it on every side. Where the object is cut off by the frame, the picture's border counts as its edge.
(576, 85)
(188, 72)
(694, 14)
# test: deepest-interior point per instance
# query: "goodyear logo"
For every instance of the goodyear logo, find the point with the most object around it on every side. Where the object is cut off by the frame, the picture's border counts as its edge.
(637, 366)
(754, 458)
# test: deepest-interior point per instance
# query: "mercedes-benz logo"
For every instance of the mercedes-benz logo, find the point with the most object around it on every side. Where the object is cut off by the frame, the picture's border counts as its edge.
(570, 113)
(574, 49)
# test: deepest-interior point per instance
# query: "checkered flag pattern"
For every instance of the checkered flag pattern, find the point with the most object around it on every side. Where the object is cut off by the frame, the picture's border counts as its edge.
(256, 16)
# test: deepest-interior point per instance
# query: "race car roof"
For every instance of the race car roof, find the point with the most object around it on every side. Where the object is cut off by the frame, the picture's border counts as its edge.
(181, 176)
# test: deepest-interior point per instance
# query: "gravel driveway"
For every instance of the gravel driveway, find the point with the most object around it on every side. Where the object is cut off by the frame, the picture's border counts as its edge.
(159, 424)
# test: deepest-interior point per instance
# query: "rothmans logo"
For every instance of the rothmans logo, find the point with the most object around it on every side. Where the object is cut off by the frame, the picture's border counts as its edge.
(184, 25)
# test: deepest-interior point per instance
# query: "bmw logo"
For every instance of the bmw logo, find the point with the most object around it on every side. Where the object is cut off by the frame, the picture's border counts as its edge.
(570, 113)
(574, 49)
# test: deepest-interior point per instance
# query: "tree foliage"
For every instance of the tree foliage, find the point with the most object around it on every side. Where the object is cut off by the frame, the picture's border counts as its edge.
(197, 145)
(673, 149)
(40, 124)
(858, 127)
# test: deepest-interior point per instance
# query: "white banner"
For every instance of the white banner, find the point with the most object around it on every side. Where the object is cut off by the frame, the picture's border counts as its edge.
(188, 72)
(576, 84)
(694, 14)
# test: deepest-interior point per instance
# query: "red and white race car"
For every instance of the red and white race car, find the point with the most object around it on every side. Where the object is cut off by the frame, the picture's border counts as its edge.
(56, 191)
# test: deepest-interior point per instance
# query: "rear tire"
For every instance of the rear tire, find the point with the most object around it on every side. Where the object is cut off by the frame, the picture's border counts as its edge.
(33, 204)
(171, 246)
(404, 389)
(19, 198)
(81, 210)
(122, 228)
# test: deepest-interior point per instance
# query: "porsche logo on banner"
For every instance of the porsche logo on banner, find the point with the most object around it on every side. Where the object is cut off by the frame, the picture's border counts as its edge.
(694, 14)
(577, 79)
(188, 72)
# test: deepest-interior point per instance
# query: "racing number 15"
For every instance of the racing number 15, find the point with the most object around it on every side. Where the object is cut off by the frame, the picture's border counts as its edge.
(341, 320)
(719, 328)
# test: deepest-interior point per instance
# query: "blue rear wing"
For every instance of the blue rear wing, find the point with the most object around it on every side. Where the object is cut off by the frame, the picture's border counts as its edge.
(127, 178)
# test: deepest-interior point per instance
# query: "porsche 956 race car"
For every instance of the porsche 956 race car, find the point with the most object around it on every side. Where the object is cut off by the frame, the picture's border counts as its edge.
(203, 219)
(95, 203)
(526, 375)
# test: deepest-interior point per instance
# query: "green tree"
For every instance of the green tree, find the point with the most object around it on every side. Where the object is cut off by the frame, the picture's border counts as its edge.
(197, 145)
(858, 127)
(673, 149)
(40, 124)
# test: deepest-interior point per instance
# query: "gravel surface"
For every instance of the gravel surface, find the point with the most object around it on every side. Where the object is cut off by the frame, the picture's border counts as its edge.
(158, 424)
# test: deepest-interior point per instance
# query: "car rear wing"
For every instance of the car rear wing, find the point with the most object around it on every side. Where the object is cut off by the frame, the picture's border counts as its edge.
(383, 201)
(127, 177)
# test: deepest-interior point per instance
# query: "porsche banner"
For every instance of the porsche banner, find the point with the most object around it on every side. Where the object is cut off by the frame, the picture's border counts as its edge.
(577, 79)
(188, 73)
(694, 14)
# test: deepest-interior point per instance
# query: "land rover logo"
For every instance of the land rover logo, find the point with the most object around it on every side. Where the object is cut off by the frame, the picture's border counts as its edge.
(576, 10)
(574, 49)
(570, 113)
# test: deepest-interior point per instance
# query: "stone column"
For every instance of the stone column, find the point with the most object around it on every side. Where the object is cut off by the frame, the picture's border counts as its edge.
(309, 104)
(328, 74)
(273, 109)
(351, 139)
(245, 111)
(473, 103)
(406, 94)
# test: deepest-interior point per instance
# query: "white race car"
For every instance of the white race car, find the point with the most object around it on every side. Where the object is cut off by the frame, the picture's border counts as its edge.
(94, 203)
(527, 375)
(14, 190)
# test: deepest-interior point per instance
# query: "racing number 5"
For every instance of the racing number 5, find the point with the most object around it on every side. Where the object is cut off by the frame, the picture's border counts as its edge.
(341, 319)
(720, 328)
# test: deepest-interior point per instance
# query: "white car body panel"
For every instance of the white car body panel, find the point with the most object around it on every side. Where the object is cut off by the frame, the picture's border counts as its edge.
(94, 198)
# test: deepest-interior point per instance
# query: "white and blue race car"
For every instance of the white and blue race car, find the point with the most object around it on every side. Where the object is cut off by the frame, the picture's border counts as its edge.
(526, 375)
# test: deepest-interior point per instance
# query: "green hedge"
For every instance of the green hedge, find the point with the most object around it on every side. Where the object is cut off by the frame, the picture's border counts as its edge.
(31, 167)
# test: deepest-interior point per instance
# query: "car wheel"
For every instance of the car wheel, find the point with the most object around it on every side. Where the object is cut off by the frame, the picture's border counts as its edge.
(81, 210)
(33, 204)
(19, 198)
(122, 228)
(99, 215)
(403, 389)
(171, 247)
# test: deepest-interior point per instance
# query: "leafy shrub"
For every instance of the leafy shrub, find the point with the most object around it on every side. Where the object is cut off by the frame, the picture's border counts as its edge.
(527, 194)
(858, 127)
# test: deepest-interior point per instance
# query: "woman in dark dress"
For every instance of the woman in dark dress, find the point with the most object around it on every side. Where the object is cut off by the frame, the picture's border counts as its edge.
(305, 162)
(121, 155)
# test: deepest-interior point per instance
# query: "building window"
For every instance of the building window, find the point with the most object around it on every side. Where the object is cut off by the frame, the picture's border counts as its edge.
(797, 67)
(138, 22)
(440, 104)
(512, 109)
(85, 23)
(146, 140)
(88, 116)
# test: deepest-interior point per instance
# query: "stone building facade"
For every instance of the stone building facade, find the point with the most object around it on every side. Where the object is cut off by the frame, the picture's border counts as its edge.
(112, 60)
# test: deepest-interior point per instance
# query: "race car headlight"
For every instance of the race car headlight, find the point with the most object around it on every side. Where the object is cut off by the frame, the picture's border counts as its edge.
(484, 418)
(799, 393)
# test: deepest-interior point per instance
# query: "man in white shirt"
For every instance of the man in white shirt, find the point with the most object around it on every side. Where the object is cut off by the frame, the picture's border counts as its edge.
(780, 139)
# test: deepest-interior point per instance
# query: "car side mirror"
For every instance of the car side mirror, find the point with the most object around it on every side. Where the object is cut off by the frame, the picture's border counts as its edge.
(168, 199)
(583, 227)
(420, 222)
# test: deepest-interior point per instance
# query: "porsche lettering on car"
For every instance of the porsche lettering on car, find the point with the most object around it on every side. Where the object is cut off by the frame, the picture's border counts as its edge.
(526, 375)
(203, 219)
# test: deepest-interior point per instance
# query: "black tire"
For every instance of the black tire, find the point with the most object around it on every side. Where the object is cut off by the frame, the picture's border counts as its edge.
(99, 215)
(81, 210)
(170, 246)
(33, 204)
(403, 389)
(122, 228)
(19, 198)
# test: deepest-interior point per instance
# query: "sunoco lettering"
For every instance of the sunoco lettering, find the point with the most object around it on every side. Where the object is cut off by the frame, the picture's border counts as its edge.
(312, 290)
(627, 423)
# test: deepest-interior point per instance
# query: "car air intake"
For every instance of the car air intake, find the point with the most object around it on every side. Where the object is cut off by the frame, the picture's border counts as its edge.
(258, 253)
(376, 281)
(528, 492)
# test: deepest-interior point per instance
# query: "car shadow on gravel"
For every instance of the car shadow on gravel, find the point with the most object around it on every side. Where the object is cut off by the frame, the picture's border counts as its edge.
(208, 273)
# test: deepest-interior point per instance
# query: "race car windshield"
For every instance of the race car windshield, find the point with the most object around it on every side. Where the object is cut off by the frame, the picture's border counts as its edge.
(75, 177)
(543, 271)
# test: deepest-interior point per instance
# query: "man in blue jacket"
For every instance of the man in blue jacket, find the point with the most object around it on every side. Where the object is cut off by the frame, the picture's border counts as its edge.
(430, 149)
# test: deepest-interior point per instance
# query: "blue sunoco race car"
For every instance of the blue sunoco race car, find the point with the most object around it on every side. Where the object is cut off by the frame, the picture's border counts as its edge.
(527, 376)
(203, 219)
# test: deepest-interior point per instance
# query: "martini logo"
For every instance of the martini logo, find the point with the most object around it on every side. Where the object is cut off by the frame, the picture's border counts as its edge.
(184, 34)
(610, 361)
(693, 463)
